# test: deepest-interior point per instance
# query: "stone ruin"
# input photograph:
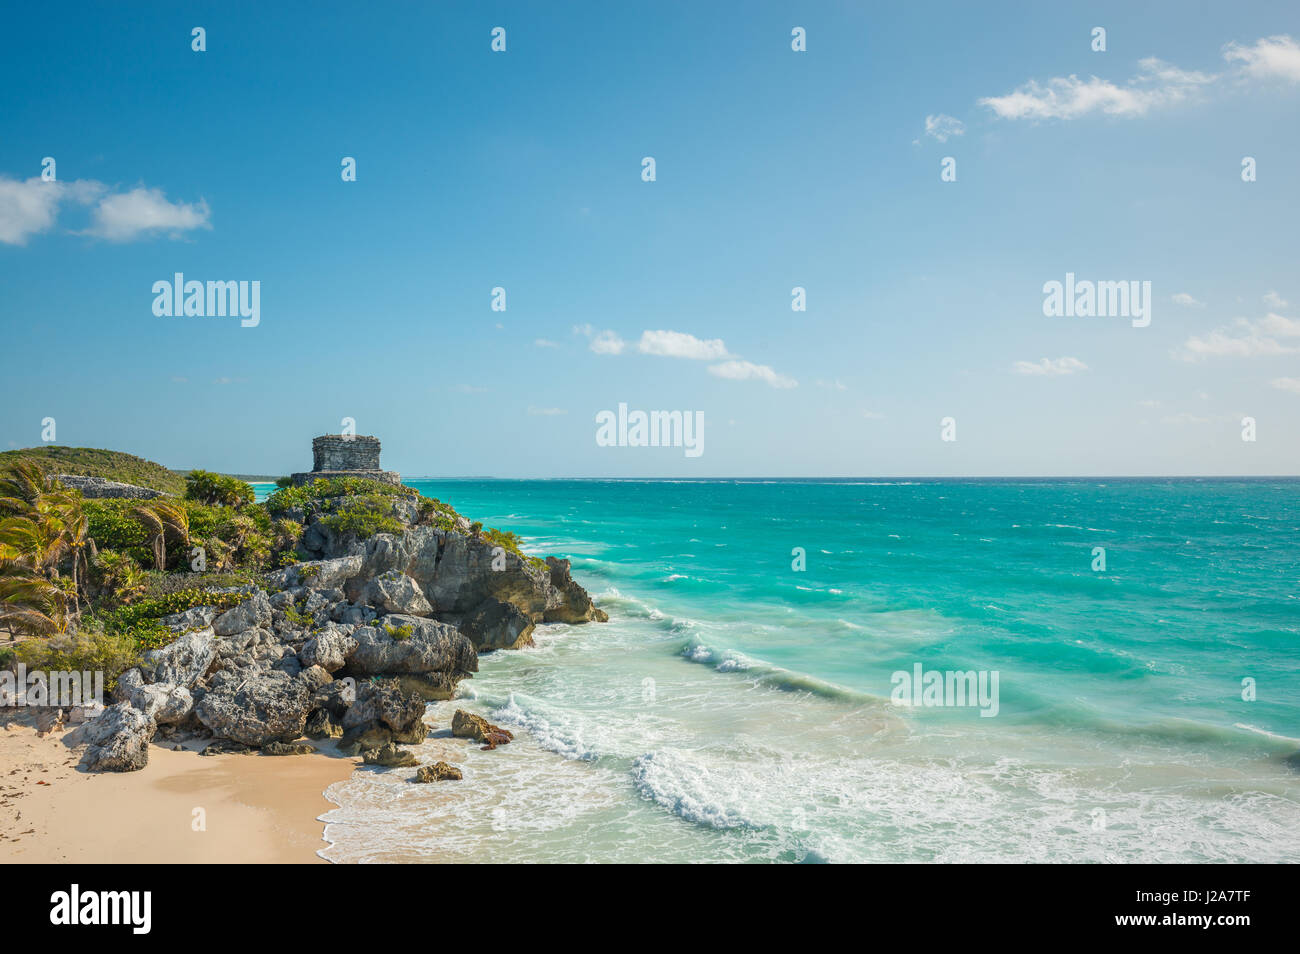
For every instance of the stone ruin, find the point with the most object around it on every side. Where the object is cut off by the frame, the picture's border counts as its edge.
(346, 455)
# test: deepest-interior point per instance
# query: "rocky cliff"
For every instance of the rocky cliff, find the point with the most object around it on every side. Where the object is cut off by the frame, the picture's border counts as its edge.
(348, 646)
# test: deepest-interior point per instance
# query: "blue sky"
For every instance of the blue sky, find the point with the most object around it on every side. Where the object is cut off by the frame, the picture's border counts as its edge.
(774, 169)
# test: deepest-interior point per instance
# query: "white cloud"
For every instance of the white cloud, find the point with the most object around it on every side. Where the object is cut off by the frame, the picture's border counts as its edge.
(1243, 339)
(1050, 366)
(601, 342)
(1287, 384)
(545, 343)
(1274, 300)
(678, 344)
(1182, 298)
(1068, 97)
(873, 415)
(1156, 85)
(941, 127)
(835, 385)
(748, 371)
(140, 212)
(546, 411)
(30, 207)
(1274, 57)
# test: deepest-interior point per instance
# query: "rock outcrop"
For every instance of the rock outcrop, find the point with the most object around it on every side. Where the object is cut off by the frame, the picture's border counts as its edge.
(117, 741)
(347, 646)
(101, 488)
(437, 772)
(466, 725)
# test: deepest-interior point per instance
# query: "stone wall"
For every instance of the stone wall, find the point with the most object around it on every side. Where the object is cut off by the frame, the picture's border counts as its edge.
(336, 456)
(334, 452)
(99, 488)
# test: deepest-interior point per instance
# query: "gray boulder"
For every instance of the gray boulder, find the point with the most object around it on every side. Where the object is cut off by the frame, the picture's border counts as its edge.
(198, 617)
(329, 648)
(118, 741)
(388, 755)
(496, 624)
(409, 644)
(163, 703)
(254, 707)
(255, 611)
(383, 713)
(182, 661)
(317, 574)
(395, 592)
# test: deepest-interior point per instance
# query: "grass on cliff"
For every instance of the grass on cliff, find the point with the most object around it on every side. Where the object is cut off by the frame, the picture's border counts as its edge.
(95, 462)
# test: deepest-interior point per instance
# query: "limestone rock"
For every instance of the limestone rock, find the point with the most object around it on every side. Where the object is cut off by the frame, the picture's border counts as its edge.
(466, 725)
(322, 725)
(197, 617)
(389, 756)
(386, 649)
(255, 611)
(118, 741)
(255, 707)
(287, 748)
(438, 772)
(575, 603)
(329, 648)
(383, 713)
(163, 703)
(181, 661)
(395, 592)
(496, 624)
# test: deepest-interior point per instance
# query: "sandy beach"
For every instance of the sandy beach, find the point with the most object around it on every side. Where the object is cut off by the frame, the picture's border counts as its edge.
(254, 809)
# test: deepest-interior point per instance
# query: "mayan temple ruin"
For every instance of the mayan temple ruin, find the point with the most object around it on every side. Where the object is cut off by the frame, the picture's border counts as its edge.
(346, 455)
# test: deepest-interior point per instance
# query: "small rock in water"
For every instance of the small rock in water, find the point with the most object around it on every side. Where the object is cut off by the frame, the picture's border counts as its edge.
(438, 772)
(466, 725)
(389, 756)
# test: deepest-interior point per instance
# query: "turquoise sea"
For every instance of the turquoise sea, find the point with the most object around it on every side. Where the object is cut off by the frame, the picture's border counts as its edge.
(737, 709)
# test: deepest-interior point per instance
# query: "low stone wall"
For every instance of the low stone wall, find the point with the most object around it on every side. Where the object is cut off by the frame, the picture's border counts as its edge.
(98, 487)
(386, 476)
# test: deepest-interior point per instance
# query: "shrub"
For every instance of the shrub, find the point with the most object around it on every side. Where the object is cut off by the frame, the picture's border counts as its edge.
(363, 517)
(88, 649)
(398, 633)
(221, 490)
(310, 495)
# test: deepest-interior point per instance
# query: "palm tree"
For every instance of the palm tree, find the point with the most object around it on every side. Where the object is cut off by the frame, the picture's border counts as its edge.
(161, 518)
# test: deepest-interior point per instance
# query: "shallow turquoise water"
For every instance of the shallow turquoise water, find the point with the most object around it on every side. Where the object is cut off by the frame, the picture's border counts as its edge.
(735, 708)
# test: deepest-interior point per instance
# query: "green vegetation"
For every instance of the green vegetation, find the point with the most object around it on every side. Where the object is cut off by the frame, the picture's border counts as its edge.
(398, 633)
(318, 494)
(93, 462)
(91, 579)
(43, 532)
(300, 618)
(87, 649)
(363, 517)
(509, 540)
(212, 489)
